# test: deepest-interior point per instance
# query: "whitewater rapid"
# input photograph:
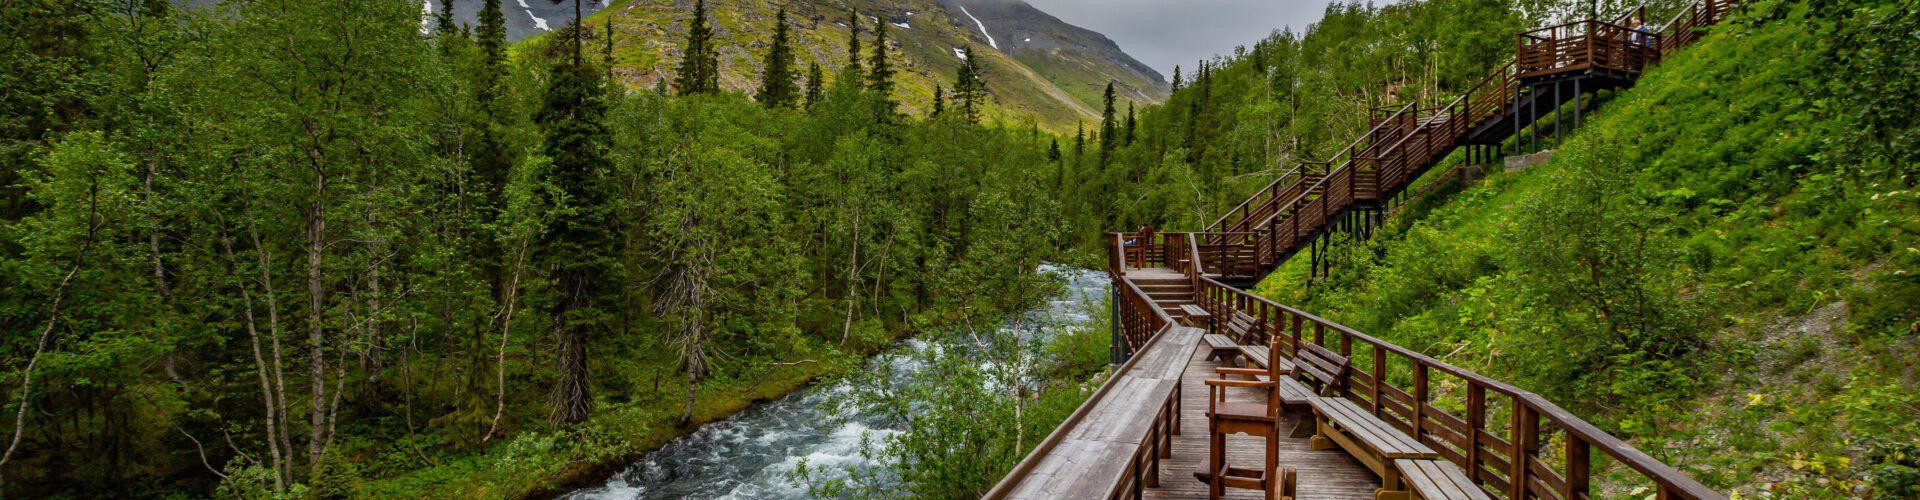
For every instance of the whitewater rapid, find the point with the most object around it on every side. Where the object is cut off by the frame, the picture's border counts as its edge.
(750, 455)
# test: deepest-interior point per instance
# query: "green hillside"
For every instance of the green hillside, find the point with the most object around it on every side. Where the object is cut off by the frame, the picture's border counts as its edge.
(1720, 265)
(649, 38)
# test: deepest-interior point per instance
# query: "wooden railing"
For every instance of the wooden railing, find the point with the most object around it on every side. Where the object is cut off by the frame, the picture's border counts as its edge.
(1680, 31)
(1586, 45)
(1139, 318)
(1503, 436)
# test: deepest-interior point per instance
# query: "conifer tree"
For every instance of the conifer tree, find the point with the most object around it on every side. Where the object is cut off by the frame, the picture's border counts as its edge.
(1053, 151)
(491, 158)
(880, 74)
(816, 83)
(853, 43)
(578, 247)
(1079, 140)
(606, 51)
(443, 21)
(968, 88)
(777, 89)
(939, 101)
(1129, 123)
(700, 62)
(1176, 78)
(1108, 138)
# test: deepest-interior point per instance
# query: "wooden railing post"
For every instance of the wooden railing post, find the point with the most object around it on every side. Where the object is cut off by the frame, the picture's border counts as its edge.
(1379, 378)
(1476, 425)
(1579, 469)
(1526, 444)
(1419, 401)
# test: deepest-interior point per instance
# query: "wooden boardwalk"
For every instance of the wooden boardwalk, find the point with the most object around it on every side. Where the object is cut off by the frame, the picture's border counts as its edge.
(1327, 474)
(1461, 434)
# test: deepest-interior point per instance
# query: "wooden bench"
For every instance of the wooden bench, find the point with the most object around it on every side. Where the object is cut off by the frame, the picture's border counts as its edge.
(1341, 422)
(1438, 480)
(1226, 346)
(1316, 373)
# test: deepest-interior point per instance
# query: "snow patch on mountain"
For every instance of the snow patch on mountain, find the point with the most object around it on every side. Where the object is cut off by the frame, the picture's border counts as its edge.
(983, 26)
(537, 21)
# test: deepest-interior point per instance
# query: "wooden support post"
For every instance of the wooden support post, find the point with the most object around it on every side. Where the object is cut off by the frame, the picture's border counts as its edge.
(1476, 424)
(1526, 444)
(1576, 103)
(1379, 378)
(1579, 470)
(1516, 118)
(1556, 115)
(1420, 396)
(1533, 121)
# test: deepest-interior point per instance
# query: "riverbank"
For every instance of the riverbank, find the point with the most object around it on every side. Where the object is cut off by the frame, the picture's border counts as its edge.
(538, 463)
(541, 464)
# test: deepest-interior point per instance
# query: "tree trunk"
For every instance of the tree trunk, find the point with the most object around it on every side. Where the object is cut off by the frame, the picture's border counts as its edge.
(506, 326)
(260, 365)
(316, 313)
(46, 333)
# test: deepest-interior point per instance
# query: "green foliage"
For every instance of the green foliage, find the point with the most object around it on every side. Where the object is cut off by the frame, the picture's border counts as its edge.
(334, 479)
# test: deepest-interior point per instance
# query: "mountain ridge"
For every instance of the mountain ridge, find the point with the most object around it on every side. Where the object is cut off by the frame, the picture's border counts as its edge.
(1045, 70)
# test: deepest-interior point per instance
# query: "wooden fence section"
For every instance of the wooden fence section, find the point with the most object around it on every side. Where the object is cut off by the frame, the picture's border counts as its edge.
(1499, 433)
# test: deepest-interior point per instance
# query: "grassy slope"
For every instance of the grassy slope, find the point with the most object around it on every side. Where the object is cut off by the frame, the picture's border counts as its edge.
(650, 35)
(1799, 388)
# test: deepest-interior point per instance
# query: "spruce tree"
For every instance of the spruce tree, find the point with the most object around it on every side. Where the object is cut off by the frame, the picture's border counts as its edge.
(777, 89)
(939, 101)
(1053, 151)
(816, 83)
(579, 248)
(1108, 138)
(880, 74)
(969, 90)
(1176, 78)
(492, 157)
(1079, 140)
(1129, 123)
(700, 62)
(492, 38)
(606, 52)
(443, 21)
(853, 43)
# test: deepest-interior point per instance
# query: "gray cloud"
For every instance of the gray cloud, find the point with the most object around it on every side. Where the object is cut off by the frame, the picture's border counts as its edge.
(1164, 33)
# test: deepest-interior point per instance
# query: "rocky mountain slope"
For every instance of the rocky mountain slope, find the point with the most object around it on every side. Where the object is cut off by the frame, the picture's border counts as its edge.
(1036, 66)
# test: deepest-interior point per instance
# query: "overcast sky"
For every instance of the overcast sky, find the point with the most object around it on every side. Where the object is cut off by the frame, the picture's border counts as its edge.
(1163, 33)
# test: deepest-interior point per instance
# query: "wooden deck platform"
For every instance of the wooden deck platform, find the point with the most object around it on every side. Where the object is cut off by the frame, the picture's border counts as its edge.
(1327, 474)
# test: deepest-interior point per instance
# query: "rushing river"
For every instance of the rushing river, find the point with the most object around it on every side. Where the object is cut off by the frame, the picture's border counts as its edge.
(751, 454)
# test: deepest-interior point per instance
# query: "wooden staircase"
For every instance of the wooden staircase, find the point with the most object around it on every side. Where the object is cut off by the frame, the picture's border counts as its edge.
(1551, 65)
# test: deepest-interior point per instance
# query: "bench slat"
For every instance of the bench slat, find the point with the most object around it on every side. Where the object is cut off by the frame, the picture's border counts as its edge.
(1439, 479)
(1372, 431)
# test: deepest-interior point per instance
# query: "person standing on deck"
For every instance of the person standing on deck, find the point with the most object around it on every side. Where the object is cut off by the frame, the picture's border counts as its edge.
(1638, 39)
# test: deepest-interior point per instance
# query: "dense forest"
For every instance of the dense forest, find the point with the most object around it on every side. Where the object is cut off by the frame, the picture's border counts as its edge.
(264, 247)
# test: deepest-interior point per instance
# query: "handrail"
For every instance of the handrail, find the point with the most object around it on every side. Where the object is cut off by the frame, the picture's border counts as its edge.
(1349, 149)
(1046, 445)
(1671, 480)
